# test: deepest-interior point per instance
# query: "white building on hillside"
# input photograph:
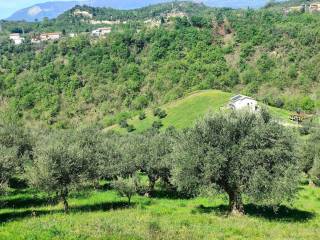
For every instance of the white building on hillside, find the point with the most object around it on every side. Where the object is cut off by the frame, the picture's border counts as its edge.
(314, 7)
(101, 31)
(95, 22)
(241, 102)
(16, 38)
(50, 36)
(86, 14)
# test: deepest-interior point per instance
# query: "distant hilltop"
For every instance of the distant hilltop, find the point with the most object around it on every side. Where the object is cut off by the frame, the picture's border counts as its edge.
(54, 9)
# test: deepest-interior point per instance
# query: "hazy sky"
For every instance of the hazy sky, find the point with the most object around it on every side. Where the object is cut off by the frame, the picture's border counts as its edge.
(7, 7)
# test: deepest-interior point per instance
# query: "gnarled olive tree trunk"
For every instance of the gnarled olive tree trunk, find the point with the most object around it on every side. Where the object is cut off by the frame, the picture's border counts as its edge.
(64, 199)
(235, 203)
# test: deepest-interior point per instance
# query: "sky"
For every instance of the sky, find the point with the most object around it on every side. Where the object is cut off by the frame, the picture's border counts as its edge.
(8, 7)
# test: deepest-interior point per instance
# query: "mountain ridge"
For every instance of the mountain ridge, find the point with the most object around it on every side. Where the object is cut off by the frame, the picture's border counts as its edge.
(54, 9)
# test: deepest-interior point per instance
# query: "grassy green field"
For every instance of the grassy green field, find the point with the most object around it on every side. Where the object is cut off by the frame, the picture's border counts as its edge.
(184, 112)
(101, 214)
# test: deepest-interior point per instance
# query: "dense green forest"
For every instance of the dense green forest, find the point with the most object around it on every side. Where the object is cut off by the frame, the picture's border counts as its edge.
(263, 53)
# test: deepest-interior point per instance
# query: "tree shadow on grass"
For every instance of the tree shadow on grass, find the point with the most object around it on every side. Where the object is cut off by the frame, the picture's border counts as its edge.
(169, 194)
(282, 213)
(26, 202)
(107, 206)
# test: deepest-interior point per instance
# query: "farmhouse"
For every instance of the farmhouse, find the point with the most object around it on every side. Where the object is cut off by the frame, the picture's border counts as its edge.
(101, 31)
(94, 22)
(50, 36)
(295, 9)
(152, 23)
(16, 38)
(240, 102)
(176, 14)
(314, 7)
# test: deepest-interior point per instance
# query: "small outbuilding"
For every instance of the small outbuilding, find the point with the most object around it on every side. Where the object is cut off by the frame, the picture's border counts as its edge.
(50, 36)
(16, 38)
(241, 102)
(101, 31)
(314, 7)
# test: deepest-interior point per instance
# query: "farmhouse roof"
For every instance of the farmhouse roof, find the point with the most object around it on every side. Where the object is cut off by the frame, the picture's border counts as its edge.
(240, 97)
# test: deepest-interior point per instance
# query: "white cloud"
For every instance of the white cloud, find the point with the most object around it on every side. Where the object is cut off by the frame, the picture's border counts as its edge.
(34, 11)
(7, 7)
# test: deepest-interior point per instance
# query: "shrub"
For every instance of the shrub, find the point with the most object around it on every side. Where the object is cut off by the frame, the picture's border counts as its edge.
(130, 128)
(140, 102)
(123, 123)
(305, 129)
(142, 115)
(162, 114)
(308, 104)
(158, 112)
(278, 103)
(126, 187)
(157, 124)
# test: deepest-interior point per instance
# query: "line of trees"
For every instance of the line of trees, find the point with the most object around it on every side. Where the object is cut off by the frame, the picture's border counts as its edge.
(240, 154)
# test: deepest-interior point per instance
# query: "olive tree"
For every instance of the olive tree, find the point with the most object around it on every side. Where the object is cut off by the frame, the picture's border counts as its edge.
(63, 161)
(239, 153)
(152, 156)
(116, 156)
(126, 187)
(15, 150)
(311, 157)
(7, 166)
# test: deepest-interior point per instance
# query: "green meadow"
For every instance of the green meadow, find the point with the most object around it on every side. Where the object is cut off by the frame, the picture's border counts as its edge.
(102, 214)
(183, 112)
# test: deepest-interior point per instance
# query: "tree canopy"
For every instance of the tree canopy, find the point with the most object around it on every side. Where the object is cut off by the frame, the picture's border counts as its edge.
(241, 154)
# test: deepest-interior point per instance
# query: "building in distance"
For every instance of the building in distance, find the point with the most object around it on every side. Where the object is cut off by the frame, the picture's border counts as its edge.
(101, 31)
(16, 38)
(241, 102)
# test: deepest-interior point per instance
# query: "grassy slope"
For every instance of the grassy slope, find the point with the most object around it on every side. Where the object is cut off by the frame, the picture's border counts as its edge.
(103, 215)
(184, 112)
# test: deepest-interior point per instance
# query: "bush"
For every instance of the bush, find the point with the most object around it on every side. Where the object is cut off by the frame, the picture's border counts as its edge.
(308, 104)
(140, 102)
(130, 128)
(162, 114)
(304, 130)
(123, 123)
(142, 115)
(278, 103)
(117, 118)
(157, 124)
(126, 187)
(158, 112)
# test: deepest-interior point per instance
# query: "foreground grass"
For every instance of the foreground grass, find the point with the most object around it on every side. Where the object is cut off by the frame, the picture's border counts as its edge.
(183, 112)
(103, 215)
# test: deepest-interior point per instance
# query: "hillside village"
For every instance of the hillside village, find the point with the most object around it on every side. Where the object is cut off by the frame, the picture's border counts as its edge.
(106, 25)
(87, 17)
(311, 8)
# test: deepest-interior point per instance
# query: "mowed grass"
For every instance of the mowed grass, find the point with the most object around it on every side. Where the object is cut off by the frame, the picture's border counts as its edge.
(184, 112)
(104, 215)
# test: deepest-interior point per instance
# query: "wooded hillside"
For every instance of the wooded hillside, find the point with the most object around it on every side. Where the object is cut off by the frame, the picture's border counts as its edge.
(264, 53)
